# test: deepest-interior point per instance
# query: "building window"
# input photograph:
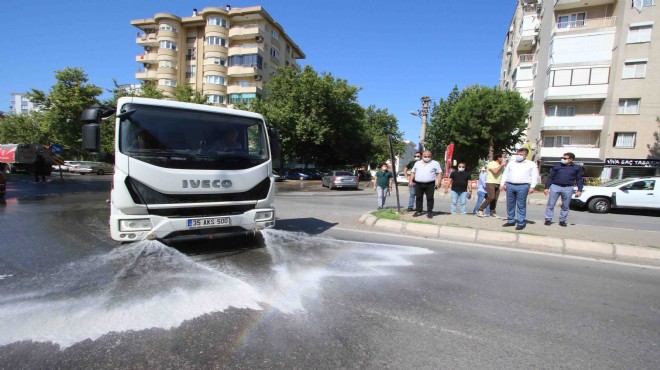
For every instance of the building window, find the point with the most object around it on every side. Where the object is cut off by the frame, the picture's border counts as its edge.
(276, 35)
(215, 40)
(166, 82)
(216, 99)
(191, 71)
(216, 80)
(219, 61)
(559, 111)
(166, 64)
(556, 141)
(624, 139)
(274, 53)
(245, 98)
(166, 27)
(167, 45)
(639, 34)
(216, 21)
(246, 60)
(628, 106)
(634, 70)
(571, 20)
(649, 2)
(191, 54)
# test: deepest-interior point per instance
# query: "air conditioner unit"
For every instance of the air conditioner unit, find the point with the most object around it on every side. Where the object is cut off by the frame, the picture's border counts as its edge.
(511, 29)
(147, 65)
(259, 38)
(509, 50)
(537, 26)
(257, 77)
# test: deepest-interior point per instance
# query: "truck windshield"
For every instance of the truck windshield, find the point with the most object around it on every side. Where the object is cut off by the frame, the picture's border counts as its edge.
(191, 139)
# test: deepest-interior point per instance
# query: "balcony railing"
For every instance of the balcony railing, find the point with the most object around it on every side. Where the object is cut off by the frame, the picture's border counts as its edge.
(526, 58)
(585, 24)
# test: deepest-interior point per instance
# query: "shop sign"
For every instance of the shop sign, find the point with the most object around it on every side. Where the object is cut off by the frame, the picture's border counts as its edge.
(648, 163)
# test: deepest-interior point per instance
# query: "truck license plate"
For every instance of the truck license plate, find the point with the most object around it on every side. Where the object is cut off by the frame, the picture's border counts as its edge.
(208, 222)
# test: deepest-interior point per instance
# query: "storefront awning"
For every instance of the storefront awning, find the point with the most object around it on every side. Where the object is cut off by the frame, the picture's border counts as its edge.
(586, 161)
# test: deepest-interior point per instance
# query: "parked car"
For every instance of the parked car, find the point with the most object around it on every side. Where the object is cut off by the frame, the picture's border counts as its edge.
(295, 175)
(3, 184)
(313, 174)
(278, 177)
(401, 179)
(99, 168)
(340, 179)
(637, 192)
(65, 166)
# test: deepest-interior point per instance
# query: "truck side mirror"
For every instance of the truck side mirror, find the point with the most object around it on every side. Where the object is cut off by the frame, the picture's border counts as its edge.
(91, 115)
(91, 137)
(274, 138)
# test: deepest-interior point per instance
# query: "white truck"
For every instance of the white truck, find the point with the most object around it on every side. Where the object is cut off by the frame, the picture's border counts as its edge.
(186, 171)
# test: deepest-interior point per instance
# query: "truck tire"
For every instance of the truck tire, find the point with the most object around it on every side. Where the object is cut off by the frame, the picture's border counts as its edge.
(599, 205)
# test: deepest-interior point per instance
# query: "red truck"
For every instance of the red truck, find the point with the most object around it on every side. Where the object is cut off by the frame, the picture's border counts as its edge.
(21, 157)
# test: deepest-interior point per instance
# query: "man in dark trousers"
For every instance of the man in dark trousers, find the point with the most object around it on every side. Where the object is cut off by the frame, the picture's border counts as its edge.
(40, 168)
(563, 177)
(411, 188)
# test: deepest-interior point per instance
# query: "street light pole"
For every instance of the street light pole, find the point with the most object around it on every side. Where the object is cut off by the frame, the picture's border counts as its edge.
(423, 114)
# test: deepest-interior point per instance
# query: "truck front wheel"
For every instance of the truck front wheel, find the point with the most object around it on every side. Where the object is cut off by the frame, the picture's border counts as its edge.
(599, 205)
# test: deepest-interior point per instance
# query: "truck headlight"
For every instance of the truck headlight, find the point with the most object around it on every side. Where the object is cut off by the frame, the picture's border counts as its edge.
(142, 224)
(264, 216)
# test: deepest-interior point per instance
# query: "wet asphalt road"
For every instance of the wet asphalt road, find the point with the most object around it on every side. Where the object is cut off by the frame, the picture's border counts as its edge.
(315, 293)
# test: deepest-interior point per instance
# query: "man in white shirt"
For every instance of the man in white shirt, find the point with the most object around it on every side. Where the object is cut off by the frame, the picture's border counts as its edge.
(519, 179)
(426, 176)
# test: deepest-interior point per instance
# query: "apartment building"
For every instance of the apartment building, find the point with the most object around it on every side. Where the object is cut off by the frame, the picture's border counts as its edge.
(226, 53)
(591, 69)
(20, 103)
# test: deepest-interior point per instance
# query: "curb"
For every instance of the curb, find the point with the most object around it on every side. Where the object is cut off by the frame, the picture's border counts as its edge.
(573, 247)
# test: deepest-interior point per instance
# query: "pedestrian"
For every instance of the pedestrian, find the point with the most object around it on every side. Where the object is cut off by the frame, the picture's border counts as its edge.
(481, 192)
(495, 168)
(459, 181)
(426, 176)
(383, 184)
(518, 180)
(563, 176)
(40, 168)
(411, 187)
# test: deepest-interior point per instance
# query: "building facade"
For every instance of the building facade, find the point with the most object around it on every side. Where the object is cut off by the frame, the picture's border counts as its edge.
(591, 69)
(225, 53)
(20, 104)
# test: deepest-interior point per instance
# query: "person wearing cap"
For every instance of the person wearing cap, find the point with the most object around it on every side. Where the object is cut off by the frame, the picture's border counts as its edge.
(563, 177)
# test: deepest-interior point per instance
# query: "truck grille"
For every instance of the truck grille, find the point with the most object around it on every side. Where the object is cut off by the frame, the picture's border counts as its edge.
(202, 211)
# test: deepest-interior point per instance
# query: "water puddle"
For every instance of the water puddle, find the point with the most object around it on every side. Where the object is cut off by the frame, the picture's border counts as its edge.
(147, 284)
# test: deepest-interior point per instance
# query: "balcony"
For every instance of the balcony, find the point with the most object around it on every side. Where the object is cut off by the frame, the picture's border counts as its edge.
(575, 4)
(147, 58)
(242, 71)
(146, 75)
(580, 151)
(147, 39)
(253, 48)
(526, 40)
(525, 58)
(247, 32)
(243, 87)
(580, 92)
(585, 24)
(574, 123)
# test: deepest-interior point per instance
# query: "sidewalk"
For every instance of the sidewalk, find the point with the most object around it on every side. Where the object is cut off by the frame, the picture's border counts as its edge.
(599, 242)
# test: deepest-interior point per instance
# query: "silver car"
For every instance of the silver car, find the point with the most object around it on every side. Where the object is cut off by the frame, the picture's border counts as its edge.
(340, 179)
(99, 168)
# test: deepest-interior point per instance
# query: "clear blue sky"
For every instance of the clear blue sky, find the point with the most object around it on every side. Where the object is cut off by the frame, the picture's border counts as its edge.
(396, 51)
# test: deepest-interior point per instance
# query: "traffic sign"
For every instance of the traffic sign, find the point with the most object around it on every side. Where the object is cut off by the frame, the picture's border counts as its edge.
(56, 148)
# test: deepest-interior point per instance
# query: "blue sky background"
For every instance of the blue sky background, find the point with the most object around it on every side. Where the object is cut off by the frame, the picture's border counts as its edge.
(396, 51)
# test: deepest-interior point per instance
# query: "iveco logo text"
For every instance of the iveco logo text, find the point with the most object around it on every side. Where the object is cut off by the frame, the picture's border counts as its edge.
(206, 184)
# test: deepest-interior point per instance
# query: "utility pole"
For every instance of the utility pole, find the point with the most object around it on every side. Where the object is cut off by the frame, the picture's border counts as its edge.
(423, 114)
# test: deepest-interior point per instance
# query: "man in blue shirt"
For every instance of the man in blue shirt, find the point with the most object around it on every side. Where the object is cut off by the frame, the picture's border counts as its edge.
(563, 177)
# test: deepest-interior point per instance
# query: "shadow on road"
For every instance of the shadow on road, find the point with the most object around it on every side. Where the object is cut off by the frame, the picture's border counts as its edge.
(308, 225)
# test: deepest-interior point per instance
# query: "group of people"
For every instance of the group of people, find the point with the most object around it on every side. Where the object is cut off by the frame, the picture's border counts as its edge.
(516, 176)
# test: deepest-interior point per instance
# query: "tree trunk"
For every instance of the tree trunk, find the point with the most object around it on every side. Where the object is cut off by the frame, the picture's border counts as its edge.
(491, 150)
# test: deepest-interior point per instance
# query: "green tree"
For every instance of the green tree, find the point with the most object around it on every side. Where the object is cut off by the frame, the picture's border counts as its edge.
(63, 106)
(185, 93)
(24, 128)
(654, 149)
(318, 116)
(149, 90)
(481, 121)
(379, 124)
